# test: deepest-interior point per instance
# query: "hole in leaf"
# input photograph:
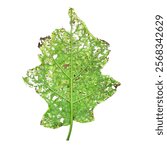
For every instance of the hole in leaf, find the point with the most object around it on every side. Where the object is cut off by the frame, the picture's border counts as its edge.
(55, 56)
(62, 120)
(54, 98)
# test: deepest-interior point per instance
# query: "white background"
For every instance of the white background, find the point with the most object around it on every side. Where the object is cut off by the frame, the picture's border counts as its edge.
(127, 119)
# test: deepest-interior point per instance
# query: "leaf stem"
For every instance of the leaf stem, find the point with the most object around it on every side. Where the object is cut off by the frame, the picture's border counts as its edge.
(71, 114)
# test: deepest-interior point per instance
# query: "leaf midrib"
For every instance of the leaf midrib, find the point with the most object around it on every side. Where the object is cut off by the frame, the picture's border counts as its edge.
(71, 80)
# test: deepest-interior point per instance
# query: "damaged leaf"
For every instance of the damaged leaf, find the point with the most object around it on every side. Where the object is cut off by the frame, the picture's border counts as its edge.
(69, 77)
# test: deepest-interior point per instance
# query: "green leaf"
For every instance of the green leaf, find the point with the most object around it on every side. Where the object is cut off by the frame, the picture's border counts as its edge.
(69, 77)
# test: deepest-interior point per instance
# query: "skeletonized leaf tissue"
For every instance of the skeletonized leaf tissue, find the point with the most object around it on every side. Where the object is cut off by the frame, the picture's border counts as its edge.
(69, 77)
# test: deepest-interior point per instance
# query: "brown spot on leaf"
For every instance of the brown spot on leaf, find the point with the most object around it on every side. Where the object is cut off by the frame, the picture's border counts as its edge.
(66, 65)
(39, 45)
(44, 38)
(117, 84)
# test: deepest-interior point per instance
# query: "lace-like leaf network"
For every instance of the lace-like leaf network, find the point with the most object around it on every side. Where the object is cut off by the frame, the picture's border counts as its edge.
(69, 78)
